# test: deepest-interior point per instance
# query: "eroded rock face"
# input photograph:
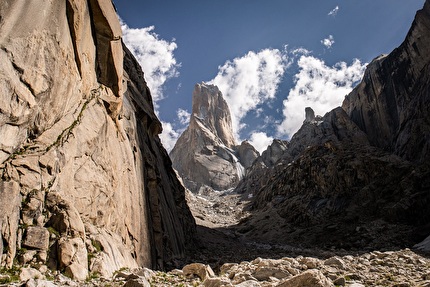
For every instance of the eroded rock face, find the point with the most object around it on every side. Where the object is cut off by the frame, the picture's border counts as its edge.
(365, 163)
(391, 103)
(79, 146)
(205, 154)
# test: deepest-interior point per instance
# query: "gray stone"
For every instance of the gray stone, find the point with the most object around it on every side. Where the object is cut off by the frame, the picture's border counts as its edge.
(39, 283)
(309, 115)
(336, 262)
(139, 282)
(249, 283)
(309, 278)
(199, 270)
(30, 273)
(217, 282)
(36, 237)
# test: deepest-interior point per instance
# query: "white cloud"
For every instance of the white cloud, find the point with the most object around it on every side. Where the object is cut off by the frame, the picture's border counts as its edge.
(154, 55)
(260, 141)
(183, 116)
(334, 11)
(300, 51)
(169, 136)
(249, 81)
(328, 42)
(318, 86)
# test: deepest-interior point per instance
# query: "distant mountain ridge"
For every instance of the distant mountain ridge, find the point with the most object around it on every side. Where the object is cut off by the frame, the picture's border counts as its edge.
(359, 177)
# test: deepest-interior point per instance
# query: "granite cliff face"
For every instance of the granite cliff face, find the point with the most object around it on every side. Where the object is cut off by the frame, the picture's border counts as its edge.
(392, 102)
(360, 174)
(83, 172)
(205, 155)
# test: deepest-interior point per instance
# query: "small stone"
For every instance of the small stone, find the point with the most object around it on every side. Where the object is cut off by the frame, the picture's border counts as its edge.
(43, 269)
(42, 255)
(216, 282)
(198, 269)
(263, 273)
(226, 267)
(138, 282)
(339, 281)
(309, 278)
(39, 283)
(28, 256)
(335, 261)
(310, 262)
(30, 273)
(248, 283)
(36, 237)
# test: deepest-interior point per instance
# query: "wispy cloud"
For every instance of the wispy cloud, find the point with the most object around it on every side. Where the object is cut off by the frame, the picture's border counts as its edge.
(328, 42)
(154, 55)
(249, 81)
(260, 141)
(318, 86)
(157, 59)
(334, 11)
(169, 136)
(183, 116)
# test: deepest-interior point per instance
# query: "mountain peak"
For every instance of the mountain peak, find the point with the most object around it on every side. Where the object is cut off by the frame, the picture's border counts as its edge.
(206, 155)
(211, 110)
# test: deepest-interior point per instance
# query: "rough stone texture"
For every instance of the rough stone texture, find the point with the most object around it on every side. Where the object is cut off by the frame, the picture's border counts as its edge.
(392, 102)
(36, 237)
(309, 115)
(424, 245)
(10, 201)
(205, 154)
(274, 152)
(357, 177)
(139, 282)
(247, 154)
(200, 270)
(109, 255)
(310, 278)
(79, 137)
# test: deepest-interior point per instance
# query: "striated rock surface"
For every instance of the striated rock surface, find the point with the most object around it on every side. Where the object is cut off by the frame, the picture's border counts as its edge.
(205, 155)
(360, 174)
(79, 149)
(391, 104)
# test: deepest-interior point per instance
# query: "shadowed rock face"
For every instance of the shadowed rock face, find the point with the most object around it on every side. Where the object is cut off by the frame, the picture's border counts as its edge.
(358, 175)
(79, 149)
(205, 154)
(392, 102)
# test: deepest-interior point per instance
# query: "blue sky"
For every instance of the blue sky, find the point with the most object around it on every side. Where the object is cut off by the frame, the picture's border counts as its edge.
(269, 58)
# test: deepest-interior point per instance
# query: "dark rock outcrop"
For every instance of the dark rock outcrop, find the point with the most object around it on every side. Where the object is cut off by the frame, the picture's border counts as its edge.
(205, 154)
(79, 149)
(392, 103)
(353, 179)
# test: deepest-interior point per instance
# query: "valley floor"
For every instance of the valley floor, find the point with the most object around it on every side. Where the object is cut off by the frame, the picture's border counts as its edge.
(224, 257)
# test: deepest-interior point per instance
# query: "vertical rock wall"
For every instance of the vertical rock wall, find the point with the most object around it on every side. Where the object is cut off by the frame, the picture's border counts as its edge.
(79, 149)
(391, 104)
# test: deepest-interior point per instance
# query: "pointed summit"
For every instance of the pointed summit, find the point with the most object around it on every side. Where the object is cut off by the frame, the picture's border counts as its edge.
(211, 110)
(205, 155)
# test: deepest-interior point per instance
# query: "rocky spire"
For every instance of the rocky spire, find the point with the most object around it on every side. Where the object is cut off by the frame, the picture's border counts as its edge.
(205, 155)
(211, 110)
